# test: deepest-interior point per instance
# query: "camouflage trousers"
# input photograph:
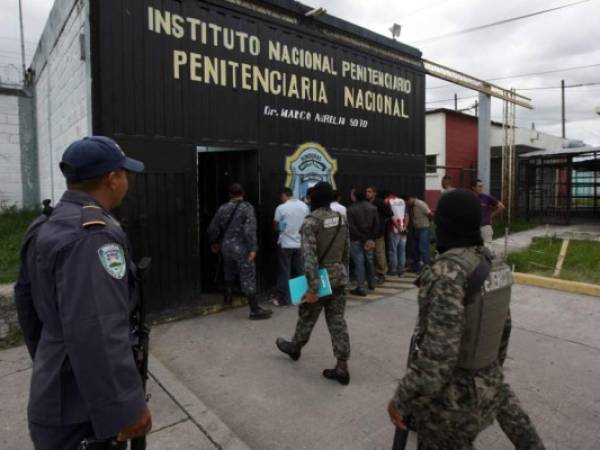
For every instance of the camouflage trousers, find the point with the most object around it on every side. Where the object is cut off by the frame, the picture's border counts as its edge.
(515, 422)
(334, 306)
(234, 267)
(466, 407)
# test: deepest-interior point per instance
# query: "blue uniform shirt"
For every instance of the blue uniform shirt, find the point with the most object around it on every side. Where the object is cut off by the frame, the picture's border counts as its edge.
(73, 300)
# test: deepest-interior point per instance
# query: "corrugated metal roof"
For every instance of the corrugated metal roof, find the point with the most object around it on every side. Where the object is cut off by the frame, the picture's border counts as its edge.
(562, 151)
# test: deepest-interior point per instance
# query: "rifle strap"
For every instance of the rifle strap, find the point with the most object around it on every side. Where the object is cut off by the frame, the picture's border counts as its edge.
(229, 220)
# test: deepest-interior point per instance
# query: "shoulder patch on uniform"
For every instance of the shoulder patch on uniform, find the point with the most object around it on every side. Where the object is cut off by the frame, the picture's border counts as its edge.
(92, 215)
(112, 259)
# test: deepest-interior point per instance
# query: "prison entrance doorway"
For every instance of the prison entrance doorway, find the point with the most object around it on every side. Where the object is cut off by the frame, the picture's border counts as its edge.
(218, 168)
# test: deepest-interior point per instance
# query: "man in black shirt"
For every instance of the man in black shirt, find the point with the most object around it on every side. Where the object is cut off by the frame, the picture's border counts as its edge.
(364, 226)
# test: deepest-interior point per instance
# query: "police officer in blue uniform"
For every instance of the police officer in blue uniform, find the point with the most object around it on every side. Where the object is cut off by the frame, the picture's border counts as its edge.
(73, 300)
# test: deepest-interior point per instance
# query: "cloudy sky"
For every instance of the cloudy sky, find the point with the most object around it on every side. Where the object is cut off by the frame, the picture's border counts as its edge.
(563, 39)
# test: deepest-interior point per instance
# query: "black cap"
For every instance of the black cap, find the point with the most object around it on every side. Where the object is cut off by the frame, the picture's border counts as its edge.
(458, 220)
(93, 156)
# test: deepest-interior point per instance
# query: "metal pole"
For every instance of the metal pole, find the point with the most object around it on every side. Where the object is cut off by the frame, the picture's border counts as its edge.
(562, 98)
(22, 41)
(455, 101)
(483, 140)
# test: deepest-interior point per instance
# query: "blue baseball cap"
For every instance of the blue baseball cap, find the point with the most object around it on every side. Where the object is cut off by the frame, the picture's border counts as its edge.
(93, 156)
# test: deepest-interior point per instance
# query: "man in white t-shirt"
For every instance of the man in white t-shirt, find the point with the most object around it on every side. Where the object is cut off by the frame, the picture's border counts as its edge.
(336, 205)
(397, 232)
(289, 217)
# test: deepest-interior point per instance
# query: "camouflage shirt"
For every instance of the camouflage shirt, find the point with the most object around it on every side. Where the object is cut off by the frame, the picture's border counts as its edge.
(240, 238)
(337, 271)
(440, 329)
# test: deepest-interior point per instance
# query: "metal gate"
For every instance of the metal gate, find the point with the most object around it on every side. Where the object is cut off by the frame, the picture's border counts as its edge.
(159, 216)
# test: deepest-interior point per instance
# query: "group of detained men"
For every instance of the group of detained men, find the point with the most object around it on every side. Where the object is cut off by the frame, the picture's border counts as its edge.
(386, 232)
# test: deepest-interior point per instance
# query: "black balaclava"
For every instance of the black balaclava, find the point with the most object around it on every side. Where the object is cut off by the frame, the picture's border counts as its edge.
(458, 220)
(321, 195)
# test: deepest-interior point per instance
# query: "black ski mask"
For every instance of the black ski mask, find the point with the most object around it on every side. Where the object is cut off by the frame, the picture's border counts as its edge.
(321, 195)
(458, 220)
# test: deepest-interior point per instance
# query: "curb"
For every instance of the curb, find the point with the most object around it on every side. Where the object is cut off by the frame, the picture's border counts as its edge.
(574, 287)
(207, 421)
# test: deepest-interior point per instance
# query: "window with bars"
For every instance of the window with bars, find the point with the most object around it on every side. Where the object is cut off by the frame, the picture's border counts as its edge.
(431, 164)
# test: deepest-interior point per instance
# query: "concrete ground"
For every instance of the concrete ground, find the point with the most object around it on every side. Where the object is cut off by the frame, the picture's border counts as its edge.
(219, 378)
(173, 428)
(272, 402)
(522, 240)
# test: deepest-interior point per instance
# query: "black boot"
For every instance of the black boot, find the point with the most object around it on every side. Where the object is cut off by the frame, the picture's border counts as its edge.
(339, 373)
(228, 296)
(256, 312)
(289, 348)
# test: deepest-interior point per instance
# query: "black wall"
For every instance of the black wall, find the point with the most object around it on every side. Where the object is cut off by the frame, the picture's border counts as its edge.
(161, 120)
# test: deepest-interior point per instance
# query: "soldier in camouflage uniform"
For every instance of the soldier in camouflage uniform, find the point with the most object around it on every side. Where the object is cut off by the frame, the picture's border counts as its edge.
(233, 232)
(454, 386)
(325, 243)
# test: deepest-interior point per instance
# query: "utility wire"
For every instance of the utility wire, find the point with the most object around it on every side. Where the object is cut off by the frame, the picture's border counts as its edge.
(540, 88)
(508, 77)
(494, 24)
(449, 99)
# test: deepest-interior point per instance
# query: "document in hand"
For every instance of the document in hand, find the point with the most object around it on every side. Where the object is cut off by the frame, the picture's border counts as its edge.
(299, 286)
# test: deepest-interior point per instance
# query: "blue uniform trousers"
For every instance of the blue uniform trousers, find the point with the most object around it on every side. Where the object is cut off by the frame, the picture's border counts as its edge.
(63, 437)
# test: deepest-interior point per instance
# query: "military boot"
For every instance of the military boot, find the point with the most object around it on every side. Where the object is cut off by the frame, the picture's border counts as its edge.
(289, 348)
(256, 312)
(339, 373)
(228, 296)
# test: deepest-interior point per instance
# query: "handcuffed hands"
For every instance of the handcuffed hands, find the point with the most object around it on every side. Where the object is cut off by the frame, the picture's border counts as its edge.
(395, 416)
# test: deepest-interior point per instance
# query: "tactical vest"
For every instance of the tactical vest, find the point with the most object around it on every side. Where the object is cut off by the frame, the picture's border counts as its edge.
(487, 300)
(332, 233)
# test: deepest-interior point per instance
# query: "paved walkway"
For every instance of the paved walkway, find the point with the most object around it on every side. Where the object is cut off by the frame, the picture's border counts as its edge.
(272, 402)
(174, 427)
(219, 382)
(522, 240)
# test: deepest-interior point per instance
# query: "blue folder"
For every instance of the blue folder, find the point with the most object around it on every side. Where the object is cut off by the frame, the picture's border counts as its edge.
(299, 286)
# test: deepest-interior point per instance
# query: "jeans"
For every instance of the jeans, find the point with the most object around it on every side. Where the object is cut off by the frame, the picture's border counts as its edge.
(291, 264)
(422, 244)
(396, 252)
(363, 264)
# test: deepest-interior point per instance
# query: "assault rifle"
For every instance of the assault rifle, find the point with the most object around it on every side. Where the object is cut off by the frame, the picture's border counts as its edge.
(401, 436)
(141, 334)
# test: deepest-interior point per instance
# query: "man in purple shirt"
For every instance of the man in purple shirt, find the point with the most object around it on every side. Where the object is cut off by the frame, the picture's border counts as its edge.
(490, 208)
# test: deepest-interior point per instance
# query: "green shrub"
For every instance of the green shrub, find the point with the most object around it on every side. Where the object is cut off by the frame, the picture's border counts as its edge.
(13, 224)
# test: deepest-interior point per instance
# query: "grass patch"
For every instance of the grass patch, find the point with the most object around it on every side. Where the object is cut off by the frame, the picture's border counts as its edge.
(582, 262)
(13, 224)
(14, 339)
(515, 227)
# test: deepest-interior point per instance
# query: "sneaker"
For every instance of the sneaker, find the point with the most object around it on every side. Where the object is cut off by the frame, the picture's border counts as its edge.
(341, 376)
(358, 292)
(288, 348)
(275, 302)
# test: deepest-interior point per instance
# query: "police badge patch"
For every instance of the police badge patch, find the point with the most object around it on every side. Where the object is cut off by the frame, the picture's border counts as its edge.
(112, 258)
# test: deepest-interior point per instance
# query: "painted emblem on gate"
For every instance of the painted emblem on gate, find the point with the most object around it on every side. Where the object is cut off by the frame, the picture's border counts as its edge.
(112, 258)
(309, 164)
